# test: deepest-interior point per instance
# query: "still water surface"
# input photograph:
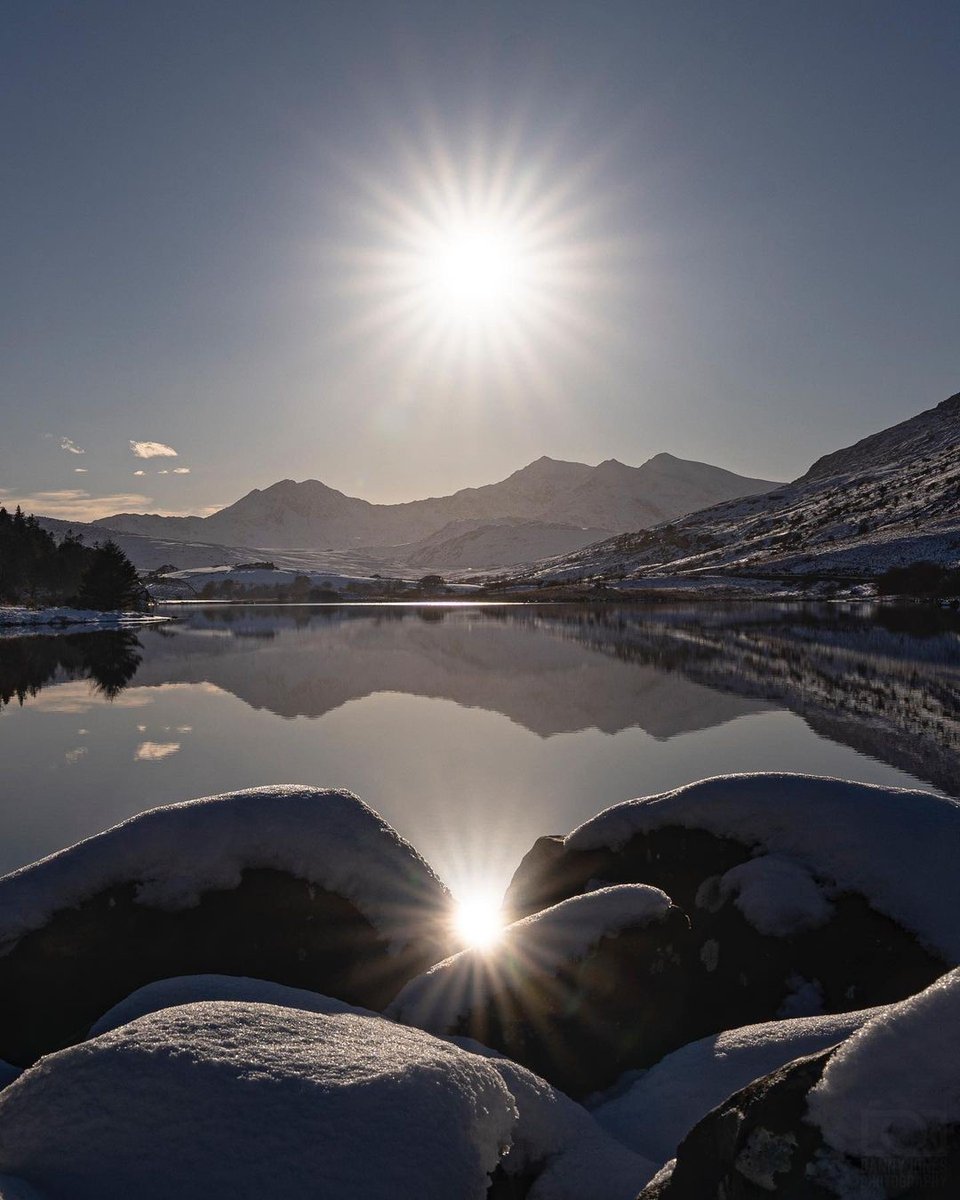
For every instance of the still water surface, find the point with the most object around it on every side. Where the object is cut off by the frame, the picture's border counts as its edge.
(473, 730)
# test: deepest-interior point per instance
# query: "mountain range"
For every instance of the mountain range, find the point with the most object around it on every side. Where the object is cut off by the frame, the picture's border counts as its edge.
(888, 500)
(548, 507)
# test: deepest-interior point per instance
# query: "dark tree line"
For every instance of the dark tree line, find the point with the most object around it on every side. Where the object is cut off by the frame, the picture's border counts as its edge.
(36, 569)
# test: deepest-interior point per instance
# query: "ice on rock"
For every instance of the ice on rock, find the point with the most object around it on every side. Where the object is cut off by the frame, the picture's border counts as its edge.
(896, 847)
(328, 838)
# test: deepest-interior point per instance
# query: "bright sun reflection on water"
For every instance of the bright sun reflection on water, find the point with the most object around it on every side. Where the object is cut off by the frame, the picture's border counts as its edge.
(479, 921)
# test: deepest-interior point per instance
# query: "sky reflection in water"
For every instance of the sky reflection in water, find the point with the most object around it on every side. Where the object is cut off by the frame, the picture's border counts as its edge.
(473, 731)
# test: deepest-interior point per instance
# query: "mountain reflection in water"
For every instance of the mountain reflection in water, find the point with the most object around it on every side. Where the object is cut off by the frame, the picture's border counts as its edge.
(354, 697)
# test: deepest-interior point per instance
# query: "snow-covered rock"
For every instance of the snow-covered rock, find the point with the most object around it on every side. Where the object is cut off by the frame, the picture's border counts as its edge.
(896, 847)
(210, 1086)
(250, 1100)
(575, 992)
(303, 886)
(804, 895)
(876, 1117)
(553, 1138)
(653, 1111)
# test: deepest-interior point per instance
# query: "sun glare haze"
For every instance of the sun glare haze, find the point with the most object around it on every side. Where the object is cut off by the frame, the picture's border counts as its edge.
(479, 921)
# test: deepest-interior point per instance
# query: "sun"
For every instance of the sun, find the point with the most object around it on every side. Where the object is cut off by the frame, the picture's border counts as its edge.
(481, 263)
(478, 922)
(476, 269)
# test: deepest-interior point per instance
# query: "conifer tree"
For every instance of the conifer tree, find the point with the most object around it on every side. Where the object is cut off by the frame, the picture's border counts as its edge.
(111, 581)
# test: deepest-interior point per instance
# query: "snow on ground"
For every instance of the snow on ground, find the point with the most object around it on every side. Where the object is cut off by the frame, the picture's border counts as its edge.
(17, 619)
(238, 1100)
(896, 847)
(329, 838)
(893, 1088)
(652, 1111)
(584, 1162)
(543, 942)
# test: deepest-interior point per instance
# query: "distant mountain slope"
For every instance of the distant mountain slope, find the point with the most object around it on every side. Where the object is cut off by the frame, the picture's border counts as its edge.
(608, 498)
(889, 499)
(148, 553)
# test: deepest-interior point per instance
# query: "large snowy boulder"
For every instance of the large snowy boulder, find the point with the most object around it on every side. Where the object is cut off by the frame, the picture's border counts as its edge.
(805, 895)
(874, 1118)
(306, 887)
(295, 1095)
(578, 992)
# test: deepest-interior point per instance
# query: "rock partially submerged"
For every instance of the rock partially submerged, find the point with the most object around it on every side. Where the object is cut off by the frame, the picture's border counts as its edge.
(874, 1118)
(279, 1092)
(804, 894)
(577, 992)
(306, 887)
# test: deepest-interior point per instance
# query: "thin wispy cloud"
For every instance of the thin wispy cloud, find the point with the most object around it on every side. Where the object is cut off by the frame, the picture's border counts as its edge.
(181, 470)
(80, 471)
(152, 450)
(71, 446)
(139, 472)
(163, 471)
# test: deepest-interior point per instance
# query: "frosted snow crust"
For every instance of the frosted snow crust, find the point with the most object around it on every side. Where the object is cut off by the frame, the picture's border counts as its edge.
(652, 1112)
(890, 1089)
(543, 942)
(896, 847)
(177, 852)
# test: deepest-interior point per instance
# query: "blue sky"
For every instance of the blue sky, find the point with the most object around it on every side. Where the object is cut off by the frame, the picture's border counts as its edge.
(753, 206)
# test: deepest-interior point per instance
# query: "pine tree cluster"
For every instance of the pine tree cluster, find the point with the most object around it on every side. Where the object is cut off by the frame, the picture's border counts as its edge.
(36, 569)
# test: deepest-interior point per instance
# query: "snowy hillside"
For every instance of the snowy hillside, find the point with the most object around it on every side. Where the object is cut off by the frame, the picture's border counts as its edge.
(890, 499)
(608, 498)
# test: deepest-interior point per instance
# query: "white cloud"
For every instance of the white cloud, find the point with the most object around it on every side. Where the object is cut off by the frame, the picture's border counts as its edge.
(80, 470)
(70, 446)
(139, 472)
(152, 450)
(164, 471)
(181, 470)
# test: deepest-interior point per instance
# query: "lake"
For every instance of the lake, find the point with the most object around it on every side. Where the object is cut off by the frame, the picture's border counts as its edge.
(472, 729)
